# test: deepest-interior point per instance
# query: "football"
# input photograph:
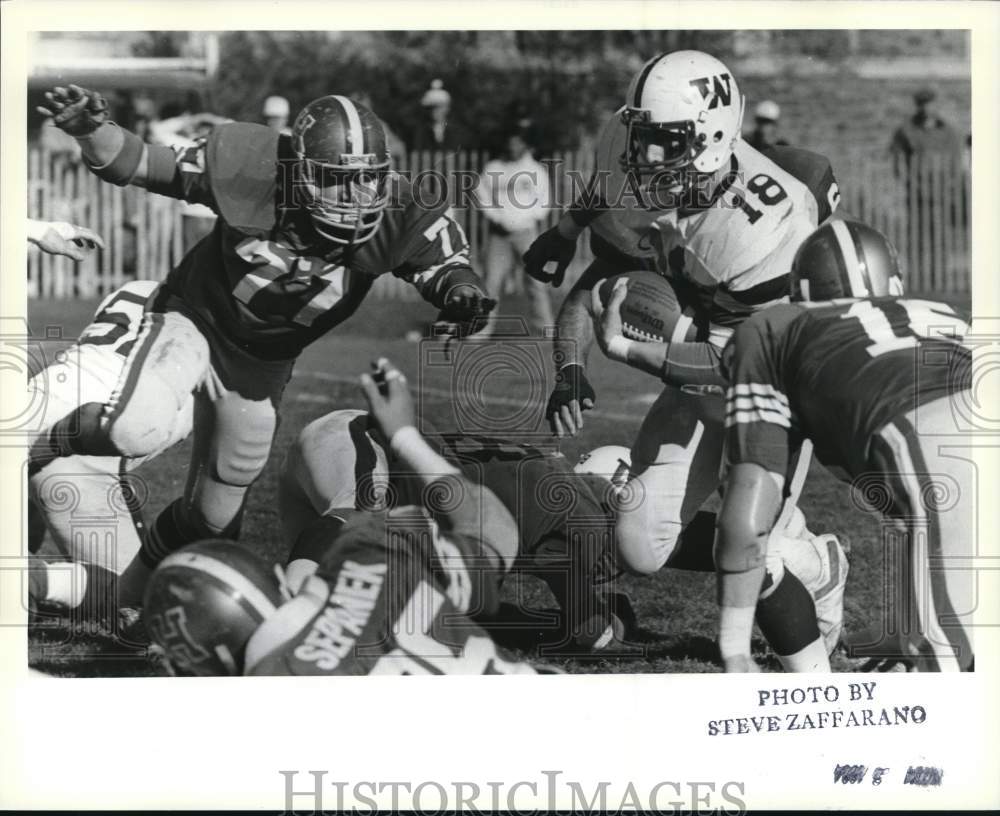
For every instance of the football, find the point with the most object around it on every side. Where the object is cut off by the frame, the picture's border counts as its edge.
(651, 311)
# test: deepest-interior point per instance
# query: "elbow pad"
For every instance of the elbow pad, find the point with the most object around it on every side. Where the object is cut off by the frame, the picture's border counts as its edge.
(121, 168)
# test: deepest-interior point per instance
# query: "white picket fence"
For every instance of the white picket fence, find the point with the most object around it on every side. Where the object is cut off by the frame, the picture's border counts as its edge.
(923, 210)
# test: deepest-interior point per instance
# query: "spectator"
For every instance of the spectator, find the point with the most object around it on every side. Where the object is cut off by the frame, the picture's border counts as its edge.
(438, 131)
(765, 133)
(924, 133)
(513, 193)
(275, 112)
(928, 155)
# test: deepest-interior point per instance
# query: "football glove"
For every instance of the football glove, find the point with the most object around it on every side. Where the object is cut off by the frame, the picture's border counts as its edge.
(75, 110)
(465, 311)
(548, 248)
(571, 386)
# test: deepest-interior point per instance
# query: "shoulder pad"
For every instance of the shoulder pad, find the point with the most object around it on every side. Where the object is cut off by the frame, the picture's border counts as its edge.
(241, 160)
(813, 170)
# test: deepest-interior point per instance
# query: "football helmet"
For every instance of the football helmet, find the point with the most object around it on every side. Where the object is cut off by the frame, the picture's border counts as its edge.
(610, 462)
(342, 168)
(684, 115)
(203, 602)
(845, 259)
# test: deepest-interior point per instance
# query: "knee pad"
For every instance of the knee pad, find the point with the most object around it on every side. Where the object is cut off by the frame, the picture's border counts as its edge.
(244, 442)
(645, 542)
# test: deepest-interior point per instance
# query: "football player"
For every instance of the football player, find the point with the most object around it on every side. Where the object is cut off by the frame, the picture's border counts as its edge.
(305, 224)
(678, 191)
(340, 465)
(878, 383)
(393, 593)
(90, 505)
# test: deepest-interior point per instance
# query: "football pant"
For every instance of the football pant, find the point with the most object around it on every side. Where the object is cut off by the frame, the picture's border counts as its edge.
(925, 487)
(91, 505)
(234, 421)
(675, 468)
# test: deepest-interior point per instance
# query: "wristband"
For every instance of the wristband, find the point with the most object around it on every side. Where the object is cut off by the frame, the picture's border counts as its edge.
(618, 348)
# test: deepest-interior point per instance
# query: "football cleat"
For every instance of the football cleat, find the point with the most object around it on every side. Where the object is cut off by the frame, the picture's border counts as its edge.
(204, 602)
(828, 593)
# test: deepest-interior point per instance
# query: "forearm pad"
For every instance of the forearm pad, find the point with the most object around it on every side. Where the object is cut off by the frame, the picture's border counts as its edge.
(112, 153)
(692, 364)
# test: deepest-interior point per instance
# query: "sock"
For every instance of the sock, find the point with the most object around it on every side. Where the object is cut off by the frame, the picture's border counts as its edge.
(787, 619)
(167, 534)
(694, 545)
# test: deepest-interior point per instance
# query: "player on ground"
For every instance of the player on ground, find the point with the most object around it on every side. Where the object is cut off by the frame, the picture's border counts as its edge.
(678, 191)
(89, 504)
(306, 223)
(340, 465)
(394, 591)
(878, 383)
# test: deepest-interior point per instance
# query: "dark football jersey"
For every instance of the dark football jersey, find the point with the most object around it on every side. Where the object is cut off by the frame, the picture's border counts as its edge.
(396, 594)
(836, 374)
(264, 278)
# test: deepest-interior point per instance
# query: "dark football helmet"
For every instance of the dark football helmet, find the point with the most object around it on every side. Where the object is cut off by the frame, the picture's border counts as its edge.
(342, 168)
(204, 602)
(845, 259)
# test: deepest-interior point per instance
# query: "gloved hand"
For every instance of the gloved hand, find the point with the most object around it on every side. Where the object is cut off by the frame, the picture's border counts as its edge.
(571, 396)
(465, 311)
(75, 110)
(547, 249)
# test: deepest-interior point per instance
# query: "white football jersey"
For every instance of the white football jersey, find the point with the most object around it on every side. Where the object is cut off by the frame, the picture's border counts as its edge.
(738, 251)
(118, 318)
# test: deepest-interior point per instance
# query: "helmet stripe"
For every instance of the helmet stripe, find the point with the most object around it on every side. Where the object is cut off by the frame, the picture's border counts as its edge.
(640, 83)
(225, 573)
(355, 133)
(853, 263)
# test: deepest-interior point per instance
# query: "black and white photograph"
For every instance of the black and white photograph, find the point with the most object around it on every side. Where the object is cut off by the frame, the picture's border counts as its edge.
(554, 351)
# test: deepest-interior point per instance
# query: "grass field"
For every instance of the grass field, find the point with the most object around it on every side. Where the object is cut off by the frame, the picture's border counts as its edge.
(676, 609)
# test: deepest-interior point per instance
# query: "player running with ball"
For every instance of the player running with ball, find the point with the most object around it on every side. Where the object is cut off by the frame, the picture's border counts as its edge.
(677, 191)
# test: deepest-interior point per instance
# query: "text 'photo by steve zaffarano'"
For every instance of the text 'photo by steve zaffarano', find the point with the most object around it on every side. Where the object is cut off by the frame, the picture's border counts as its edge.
(499, 352)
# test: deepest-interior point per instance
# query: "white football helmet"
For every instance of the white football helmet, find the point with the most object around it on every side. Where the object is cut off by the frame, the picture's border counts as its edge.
(610, 462)
(684, 110)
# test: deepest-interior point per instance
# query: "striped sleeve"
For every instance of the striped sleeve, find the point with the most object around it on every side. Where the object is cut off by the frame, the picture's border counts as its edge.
(759, 426)
(438, 259)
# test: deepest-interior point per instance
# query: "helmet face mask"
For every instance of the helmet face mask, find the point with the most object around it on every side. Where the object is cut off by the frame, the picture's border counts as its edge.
(683, 115)
(342, 168)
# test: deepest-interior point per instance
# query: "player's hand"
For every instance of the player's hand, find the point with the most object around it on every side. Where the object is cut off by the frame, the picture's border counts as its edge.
(62, 238)
(571, 396)
(75, 110)
(548, 256)
(389, 399)
(465, 311)
(607, 318)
